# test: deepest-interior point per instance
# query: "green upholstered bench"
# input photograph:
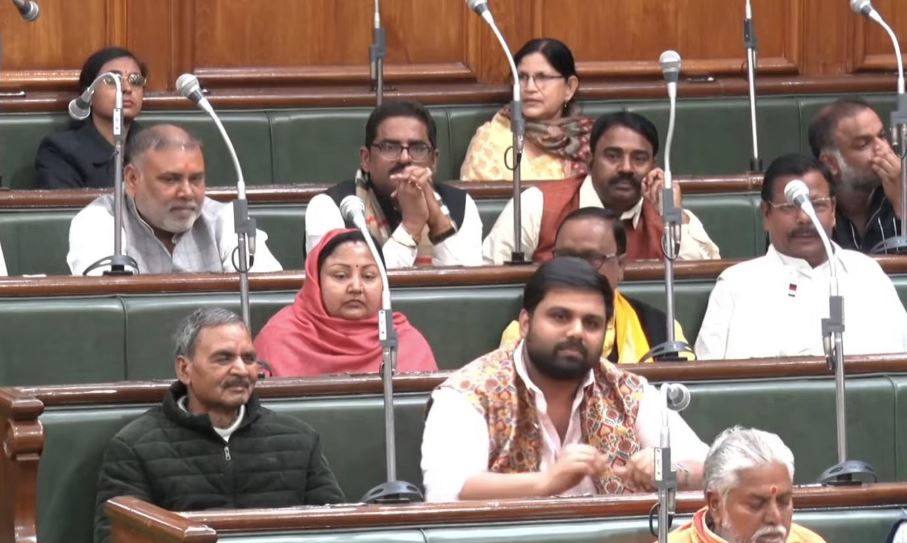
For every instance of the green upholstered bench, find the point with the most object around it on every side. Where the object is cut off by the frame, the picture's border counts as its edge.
(36, 241)
(76, 436)
(129, 336)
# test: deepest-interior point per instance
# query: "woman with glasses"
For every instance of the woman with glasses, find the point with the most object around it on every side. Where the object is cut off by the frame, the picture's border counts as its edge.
(83, 155)
(557, 136)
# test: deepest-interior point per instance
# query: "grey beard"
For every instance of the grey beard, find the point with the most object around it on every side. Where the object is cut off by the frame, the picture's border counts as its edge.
(854, 180)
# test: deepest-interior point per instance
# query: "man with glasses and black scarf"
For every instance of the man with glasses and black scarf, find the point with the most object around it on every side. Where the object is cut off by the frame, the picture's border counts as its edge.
(416, 220)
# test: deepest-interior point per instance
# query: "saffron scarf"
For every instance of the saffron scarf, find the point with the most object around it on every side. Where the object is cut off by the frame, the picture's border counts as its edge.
(303, 339)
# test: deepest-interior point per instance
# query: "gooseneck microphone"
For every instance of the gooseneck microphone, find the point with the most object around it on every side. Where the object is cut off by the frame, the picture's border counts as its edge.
(80, 106)
(864, 8)
(674, 397)
(187, 85)
(29, 9)
(678, 396)
(352, 209)
(672, 216)
(845, 471)
(517, 126)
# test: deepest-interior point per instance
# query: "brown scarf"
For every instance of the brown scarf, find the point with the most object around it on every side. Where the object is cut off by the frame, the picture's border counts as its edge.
(566, 138)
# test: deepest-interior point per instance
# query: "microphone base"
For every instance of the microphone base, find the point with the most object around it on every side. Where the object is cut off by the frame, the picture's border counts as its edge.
(756, 165)
(848, 473)
(517, 259)
(118, 270)
(393, 492)
(669, 352)
(891, 246)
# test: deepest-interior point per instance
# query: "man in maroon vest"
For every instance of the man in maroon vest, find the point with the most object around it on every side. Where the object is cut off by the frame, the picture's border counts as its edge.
(548, 417)
(622, 177)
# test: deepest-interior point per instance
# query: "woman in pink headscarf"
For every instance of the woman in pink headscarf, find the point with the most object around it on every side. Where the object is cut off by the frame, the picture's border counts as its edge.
(332, 327)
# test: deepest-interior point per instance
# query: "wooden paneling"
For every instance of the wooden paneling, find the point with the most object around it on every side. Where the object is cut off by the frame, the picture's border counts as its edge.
(873, 49)
(320, 45)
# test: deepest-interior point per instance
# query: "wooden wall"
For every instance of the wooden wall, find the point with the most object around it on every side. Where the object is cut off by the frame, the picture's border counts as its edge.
(298, 43)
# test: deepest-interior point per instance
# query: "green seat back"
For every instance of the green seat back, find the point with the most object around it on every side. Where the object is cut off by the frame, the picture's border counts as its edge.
(61, 340)
(20, 136)
(36, 241)
(248, 130)
(285, 226)
(733, 220)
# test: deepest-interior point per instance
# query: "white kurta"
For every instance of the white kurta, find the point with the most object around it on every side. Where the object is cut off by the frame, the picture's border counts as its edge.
(774, 305)
(695, 243)
(455, 443)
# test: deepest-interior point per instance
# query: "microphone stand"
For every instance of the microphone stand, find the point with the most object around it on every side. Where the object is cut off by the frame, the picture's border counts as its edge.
(752, 45)
(243, 225)
(518, 127)
(118, 261)
(665, 476)
(377, 53)
(898, 243)
(392, 490)
(845, 471)
(671, 349)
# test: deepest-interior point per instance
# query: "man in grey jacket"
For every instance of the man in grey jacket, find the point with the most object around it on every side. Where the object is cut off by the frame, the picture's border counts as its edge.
(210, 444)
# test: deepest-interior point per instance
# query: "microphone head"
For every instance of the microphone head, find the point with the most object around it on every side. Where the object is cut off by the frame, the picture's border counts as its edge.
(77, 111)
(187, 85)
(477, 6)
(352, 209)
(678, 396)
(861, 7)
(796, 191)
(32, 12)
(670, 65)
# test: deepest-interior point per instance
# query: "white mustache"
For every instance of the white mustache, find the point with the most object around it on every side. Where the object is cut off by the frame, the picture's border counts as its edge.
(776, 530)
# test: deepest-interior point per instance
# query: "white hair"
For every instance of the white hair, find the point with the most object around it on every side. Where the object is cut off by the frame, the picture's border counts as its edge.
(738, 449)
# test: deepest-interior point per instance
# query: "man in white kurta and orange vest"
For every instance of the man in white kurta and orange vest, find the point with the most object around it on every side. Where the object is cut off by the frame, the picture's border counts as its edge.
(748, 483)
(548, 417)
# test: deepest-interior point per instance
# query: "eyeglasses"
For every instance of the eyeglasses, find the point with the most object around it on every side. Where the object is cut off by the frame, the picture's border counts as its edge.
(596, 260)
(541, 80)
(821, 205)
(392, 150)
(134, 79)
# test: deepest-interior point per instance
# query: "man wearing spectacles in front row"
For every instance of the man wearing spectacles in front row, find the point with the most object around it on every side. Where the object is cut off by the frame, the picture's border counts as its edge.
(418, 221)
(773, 305)
(598, 236)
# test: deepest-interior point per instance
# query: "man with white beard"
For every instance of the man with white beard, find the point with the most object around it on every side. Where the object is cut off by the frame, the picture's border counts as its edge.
(748, 480)
(169, 225)
(850, 138)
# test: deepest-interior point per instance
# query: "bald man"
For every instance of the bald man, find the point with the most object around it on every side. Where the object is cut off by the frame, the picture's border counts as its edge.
(169, 225)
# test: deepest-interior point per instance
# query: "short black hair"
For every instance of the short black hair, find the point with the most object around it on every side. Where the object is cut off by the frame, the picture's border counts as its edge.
(555, 52)
(627, 119)
(793, 164)
(354, 236)
(570, 273)
(92, 67)
(403, 108)
(606, 216)
(825, 122)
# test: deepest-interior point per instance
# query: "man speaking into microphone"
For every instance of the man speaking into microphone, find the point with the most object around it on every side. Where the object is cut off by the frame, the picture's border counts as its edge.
(774, 305)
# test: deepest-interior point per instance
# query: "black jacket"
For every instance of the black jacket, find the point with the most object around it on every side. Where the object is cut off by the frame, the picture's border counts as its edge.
(77, 157)
(177, 461)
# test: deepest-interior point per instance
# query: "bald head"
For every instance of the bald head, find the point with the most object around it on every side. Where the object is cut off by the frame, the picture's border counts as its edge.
(159, 137)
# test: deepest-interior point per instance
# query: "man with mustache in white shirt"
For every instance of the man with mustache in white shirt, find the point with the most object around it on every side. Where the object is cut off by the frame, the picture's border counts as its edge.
(169, 225)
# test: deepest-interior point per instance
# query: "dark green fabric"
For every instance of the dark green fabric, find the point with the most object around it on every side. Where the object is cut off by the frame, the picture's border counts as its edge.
(36, 241)
(178, 461)
(20, 136)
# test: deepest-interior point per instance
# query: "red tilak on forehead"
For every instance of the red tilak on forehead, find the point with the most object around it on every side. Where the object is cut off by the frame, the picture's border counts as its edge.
(774, 490)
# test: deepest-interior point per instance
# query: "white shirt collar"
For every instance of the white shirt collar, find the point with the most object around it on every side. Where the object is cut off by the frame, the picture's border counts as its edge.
(589, 198)
(802, 266)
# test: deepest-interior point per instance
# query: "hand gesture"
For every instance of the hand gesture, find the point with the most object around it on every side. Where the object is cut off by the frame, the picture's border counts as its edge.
(411, 184)
(576, 462)
(638, 475)
(887, 165)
